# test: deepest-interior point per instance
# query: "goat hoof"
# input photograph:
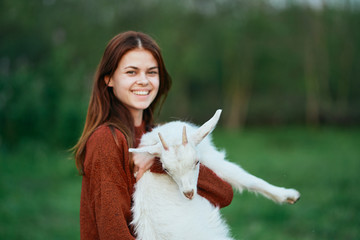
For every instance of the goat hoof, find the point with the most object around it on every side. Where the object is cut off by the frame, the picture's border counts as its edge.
(292, 200)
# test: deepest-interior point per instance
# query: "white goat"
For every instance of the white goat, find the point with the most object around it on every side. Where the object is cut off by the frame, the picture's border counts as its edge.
(161, 211)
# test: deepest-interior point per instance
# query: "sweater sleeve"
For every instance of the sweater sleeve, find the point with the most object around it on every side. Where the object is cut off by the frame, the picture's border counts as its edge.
(213, 188)
(110, 210)
(106, 188)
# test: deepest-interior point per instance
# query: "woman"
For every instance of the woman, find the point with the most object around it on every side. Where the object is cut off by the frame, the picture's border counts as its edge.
(130, 82)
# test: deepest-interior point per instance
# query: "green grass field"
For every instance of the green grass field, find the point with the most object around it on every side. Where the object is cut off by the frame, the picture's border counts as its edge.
(40, 189)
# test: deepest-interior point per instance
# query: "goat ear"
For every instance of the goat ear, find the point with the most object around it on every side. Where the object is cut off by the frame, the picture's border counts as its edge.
(153, 150)
(206, 128)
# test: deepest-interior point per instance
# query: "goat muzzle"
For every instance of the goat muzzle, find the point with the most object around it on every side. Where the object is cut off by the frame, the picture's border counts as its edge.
(189, 194)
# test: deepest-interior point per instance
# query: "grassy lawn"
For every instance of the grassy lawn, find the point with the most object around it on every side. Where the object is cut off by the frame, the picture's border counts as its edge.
(323, 165)
(40, 189)
(39, 194)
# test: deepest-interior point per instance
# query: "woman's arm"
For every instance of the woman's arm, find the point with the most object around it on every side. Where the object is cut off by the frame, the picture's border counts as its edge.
(106, 197)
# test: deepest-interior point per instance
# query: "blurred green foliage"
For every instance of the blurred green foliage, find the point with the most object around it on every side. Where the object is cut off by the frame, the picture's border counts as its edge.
(261, 64)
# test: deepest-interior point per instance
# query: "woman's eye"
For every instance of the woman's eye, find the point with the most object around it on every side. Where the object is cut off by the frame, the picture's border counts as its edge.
(153, 72)
(130, 72)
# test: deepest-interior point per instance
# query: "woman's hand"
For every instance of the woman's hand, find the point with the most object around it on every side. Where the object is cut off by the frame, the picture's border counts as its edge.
(143, 162)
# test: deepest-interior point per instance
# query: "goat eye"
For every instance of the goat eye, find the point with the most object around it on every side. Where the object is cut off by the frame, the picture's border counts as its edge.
(197, 162)
(166, 170)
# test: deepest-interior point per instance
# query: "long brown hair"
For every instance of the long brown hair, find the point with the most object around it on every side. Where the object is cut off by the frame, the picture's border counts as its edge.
(104, 107)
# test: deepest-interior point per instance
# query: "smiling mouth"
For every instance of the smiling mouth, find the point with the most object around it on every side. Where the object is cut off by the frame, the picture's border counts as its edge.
(141, 93)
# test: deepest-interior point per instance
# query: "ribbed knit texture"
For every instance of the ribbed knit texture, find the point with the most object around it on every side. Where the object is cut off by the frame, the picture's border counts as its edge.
(107, 186)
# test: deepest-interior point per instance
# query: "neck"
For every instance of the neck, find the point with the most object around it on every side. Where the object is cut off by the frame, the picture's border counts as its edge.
(138, 117)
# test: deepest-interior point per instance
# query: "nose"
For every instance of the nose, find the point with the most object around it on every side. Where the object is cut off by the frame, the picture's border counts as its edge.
(189, 194)
(143, 81)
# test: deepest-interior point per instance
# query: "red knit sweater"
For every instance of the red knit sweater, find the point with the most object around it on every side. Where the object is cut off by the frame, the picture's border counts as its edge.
(107, 186)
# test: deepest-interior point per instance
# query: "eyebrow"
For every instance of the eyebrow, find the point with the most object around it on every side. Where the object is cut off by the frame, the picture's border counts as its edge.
(151, 68)
(131, 67)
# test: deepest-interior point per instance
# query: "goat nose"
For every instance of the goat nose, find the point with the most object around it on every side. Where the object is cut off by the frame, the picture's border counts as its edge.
(189, 194)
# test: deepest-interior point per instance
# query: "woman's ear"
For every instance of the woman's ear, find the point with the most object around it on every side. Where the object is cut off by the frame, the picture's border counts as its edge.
(108, 81)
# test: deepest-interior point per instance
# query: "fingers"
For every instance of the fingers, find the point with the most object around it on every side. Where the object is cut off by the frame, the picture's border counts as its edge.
(142, 159)
(143, 162)
(140, 173)
(143, 169)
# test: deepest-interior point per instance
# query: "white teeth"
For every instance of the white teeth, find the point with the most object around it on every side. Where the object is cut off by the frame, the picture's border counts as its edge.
(141, 93)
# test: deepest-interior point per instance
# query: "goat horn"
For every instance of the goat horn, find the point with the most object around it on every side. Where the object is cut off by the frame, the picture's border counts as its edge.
(184, 137)
(163, 142)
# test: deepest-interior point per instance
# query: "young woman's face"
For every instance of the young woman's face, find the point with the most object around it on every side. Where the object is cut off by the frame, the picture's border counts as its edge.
(136, 80)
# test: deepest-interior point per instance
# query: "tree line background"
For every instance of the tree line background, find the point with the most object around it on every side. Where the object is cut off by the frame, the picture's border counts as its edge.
(264, 65)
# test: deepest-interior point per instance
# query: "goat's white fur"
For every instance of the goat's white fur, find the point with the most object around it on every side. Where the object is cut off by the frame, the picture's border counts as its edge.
(161, 211)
